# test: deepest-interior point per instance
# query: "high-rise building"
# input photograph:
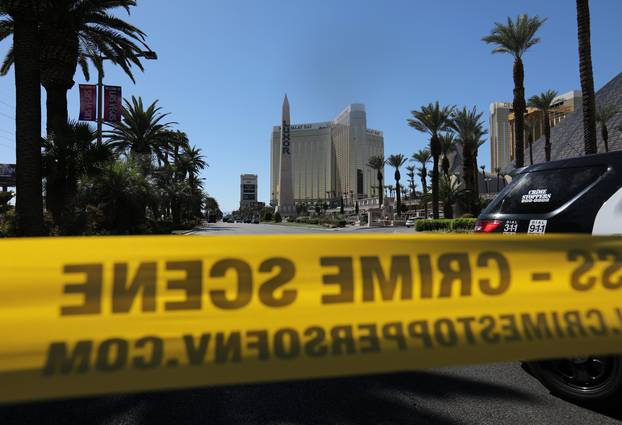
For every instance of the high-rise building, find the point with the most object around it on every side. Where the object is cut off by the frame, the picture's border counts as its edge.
(501, 128)
(499, 131)
(248, 190)
(329, 159)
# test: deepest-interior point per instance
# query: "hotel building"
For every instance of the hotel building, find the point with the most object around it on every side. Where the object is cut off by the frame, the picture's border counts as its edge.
(501, 128)
(329, 159)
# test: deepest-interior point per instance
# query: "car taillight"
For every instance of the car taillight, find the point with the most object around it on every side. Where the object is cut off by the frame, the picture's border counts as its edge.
(487, 226)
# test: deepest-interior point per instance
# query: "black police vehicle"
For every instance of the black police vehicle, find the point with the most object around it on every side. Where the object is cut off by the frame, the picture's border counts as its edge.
(578, 195)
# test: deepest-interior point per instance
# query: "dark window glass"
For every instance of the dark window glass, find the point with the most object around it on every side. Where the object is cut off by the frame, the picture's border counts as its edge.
(249, 188)
(248, 197)
(541, 192)
(359, 182)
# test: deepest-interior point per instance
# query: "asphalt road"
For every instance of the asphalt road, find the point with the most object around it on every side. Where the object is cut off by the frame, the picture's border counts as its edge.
(262, 229)
(483, 394)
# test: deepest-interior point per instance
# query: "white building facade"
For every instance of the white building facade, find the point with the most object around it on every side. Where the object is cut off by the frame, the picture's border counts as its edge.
(329, 159)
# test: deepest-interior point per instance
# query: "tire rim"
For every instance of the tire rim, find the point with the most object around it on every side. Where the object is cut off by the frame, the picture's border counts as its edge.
(585, 374)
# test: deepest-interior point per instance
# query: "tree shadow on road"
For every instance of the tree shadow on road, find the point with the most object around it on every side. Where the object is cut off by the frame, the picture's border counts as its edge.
(377, 399)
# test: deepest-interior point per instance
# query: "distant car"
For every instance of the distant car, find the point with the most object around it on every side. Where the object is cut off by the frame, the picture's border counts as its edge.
(411, 221)
(578, 195)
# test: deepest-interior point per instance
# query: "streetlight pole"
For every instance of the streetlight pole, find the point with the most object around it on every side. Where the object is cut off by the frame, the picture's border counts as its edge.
(147, 54)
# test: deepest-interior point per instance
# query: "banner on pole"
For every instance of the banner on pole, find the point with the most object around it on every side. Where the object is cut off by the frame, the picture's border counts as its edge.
(112, 104)
(88, 102)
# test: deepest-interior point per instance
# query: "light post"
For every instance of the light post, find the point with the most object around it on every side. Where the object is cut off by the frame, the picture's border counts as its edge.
(147, 54)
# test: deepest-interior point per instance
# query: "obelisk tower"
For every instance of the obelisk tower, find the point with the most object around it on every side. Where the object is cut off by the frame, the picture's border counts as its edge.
(286, 206)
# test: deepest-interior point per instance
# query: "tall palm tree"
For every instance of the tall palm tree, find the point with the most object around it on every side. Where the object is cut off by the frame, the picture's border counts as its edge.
(377, 163)
(396, 161)
(603, 114)
(190, 163)
(141, 134)
(74, 32)
(543, 102)
(469, 130)
(483, 168)
(423, 157)
(515, 38)
(20, 18)
(448, 145)
(410, 173)
(433, 119)
(498, 173)
(422, 173)
(530, 129)
(587, 77)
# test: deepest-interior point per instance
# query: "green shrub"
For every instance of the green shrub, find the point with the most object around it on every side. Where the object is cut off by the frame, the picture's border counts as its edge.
(430, 225)
(314, 221)
(277, 217)
(463, 223)
(267, 216)
(445, 225)
(8, 224)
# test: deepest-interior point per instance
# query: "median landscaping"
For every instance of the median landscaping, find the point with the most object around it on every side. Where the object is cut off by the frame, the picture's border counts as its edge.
(446, 225)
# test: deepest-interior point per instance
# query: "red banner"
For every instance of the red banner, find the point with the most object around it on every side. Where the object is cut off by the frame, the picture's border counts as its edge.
(112, 104)
(88, 102)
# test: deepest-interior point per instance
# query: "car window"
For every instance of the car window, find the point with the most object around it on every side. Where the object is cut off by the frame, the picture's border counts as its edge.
(544, 191)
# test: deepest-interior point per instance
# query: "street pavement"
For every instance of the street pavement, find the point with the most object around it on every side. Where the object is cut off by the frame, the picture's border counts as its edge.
(286, 228)
(483, 394)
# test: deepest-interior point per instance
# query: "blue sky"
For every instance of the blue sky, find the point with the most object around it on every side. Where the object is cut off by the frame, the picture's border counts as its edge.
(224, 66)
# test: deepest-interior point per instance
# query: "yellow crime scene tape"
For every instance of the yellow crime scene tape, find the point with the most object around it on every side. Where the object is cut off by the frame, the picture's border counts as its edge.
(86, 316)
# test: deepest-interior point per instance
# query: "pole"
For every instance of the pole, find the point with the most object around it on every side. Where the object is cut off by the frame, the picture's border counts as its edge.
(100, 99)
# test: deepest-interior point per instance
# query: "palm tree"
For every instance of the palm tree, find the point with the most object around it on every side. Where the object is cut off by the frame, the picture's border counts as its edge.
(469, 132)
(20, 18)
(603, 114)
(72, 33)
(410, 173)
(190, 163)
(498, 173)
(530, 129)
(543, 102)
(142, 134)
(396, 161)
(515, 39)
(483, 168)
(587, 77)
(377, 163)
(451, 192)
(433, 119)
(423, 157)
(448, 145)
(65, 163)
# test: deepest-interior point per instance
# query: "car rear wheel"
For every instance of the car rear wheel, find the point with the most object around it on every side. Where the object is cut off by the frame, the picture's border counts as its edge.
(593, 380)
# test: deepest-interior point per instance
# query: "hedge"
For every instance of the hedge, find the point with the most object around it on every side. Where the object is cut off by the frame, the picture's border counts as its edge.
(445, 225)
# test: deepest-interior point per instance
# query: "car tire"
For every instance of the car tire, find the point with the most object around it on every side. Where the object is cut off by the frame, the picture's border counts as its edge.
(594, 381)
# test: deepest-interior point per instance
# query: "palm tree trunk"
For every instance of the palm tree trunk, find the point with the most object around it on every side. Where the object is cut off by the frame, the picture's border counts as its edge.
(467, 175)
(445, 165)
(424, 188)
(56, 107)
(587, 77)
(399, 197)
(379, 177)
(519, 112)
(435, 148)
(605, 134)
(530, 149)
(29, 202)
(547, 137)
